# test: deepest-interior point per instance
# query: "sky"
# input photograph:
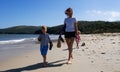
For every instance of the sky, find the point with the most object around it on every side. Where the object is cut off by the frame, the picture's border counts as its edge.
(51, 12)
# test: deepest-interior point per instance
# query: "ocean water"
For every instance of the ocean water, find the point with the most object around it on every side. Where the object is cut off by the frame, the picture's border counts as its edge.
(17, 38)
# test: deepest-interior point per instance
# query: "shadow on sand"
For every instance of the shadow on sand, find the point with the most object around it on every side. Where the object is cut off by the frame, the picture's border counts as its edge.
(37, 66)
(67, 49)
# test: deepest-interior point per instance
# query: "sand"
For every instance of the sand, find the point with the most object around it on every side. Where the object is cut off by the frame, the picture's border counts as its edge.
(101, 53)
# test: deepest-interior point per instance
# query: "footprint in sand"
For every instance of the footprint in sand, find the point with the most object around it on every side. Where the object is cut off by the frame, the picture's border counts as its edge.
(26, 56)
(116, 71)
(86, 48)
(113, 42)
(83, 50)
(103, 53)
(92, 61)
(117, 59)
(111, 39)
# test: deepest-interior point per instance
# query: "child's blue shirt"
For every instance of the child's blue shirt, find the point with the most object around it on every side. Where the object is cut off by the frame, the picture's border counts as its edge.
(44, 39)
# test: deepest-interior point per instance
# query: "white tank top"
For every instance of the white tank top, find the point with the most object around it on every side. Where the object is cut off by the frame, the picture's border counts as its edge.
(70, 24)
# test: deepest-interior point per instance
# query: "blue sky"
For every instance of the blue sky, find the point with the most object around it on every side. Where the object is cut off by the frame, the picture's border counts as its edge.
(51, 12)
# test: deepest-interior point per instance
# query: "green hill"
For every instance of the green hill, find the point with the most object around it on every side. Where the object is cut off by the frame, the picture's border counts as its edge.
(86, 27)
(20, 30)
(98, 27)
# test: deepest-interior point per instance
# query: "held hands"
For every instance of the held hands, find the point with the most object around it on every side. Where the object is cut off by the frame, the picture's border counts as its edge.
(76, 32)
(60, 37)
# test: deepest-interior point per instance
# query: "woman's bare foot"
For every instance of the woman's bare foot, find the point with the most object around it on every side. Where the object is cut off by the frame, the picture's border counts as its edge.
(69, 62)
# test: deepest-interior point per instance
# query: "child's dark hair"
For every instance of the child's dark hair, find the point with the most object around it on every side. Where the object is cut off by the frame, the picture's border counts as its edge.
(68, 9)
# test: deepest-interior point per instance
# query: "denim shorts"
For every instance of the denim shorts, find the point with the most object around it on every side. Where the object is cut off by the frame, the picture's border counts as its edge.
(43, 50)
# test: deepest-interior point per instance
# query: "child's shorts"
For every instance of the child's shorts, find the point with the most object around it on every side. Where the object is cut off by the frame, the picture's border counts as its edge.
(44, 50)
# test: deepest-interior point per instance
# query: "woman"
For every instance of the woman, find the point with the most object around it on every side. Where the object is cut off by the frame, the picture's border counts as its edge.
(70, 31)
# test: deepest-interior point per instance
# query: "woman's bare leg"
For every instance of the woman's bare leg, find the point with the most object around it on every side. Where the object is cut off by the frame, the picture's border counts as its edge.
(68, 45)
(70, 49)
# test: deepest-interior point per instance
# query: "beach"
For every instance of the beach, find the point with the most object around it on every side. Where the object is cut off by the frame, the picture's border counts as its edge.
(101, 53)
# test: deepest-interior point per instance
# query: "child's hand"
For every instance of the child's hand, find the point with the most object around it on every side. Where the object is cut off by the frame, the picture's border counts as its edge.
(39, 39)
(51, 45)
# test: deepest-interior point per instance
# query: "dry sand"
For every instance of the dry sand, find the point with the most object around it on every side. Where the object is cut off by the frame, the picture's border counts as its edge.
(101, 53)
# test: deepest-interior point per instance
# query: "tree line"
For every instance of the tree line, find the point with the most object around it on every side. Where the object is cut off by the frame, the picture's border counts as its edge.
(86, 27)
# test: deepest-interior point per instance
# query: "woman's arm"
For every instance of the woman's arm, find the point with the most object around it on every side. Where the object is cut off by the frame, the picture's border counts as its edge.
(76, 27)
(63, 29)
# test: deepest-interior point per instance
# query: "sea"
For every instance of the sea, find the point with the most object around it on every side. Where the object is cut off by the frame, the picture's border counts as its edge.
(17, 38)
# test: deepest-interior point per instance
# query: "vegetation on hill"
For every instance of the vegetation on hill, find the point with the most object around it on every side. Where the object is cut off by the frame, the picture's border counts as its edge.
(98, 27)
(86, 27)
(20, 30)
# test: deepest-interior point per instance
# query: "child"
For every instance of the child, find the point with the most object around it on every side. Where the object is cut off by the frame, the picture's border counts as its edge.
(78, 39)
(44, 40)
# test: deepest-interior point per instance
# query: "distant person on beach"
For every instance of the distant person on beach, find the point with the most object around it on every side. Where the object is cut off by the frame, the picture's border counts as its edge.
(44, 41)
(70, 29)
(78, 39)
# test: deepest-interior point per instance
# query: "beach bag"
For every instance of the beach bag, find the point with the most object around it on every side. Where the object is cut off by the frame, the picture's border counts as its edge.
(60, 39)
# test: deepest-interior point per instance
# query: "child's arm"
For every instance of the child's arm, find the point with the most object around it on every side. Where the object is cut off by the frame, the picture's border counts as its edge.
(80, 37)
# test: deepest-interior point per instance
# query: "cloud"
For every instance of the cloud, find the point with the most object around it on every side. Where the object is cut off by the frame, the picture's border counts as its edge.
(104, 15)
